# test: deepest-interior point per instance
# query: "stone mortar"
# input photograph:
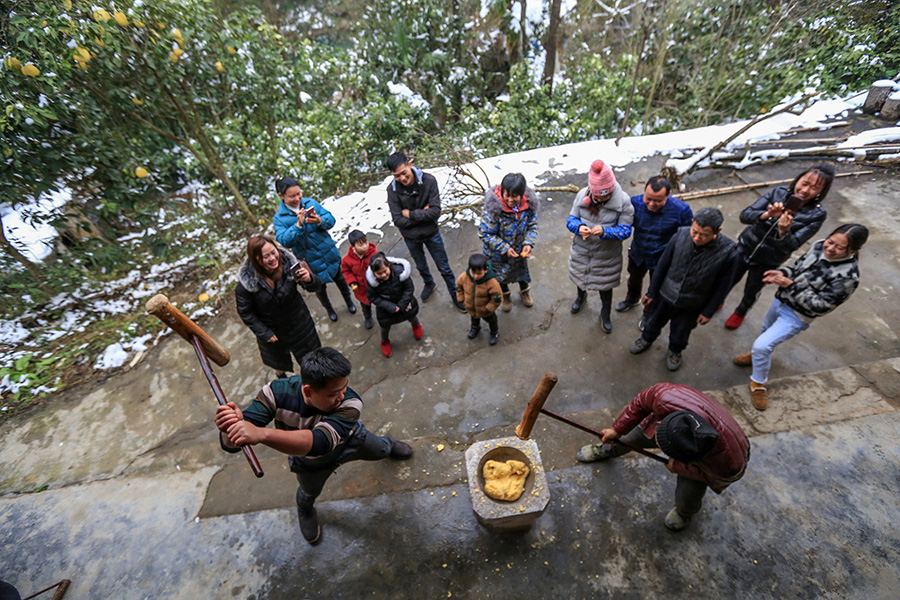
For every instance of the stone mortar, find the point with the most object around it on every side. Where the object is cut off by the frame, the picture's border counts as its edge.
(499, 515)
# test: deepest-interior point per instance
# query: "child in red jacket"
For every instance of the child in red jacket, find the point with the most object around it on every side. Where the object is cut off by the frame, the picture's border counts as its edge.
(353, 268)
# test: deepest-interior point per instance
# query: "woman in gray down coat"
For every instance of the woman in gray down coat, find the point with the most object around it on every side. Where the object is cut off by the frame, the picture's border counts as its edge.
(601, 218)
(270, 304)
(814, 285)
(508, 231)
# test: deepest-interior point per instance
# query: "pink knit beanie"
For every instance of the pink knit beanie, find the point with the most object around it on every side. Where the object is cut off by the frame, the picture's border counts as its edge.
(601, 180)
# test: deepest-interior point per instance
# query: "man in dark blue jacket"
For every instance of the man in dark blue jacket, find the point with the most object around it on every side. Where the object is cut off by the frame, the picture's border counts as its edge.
(415, 204)
(691, 280)
(657, 216)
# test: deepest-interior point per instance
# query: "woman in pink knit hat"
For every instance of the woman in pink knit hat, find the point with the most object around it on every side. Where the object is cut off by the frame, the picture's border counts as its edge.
(601, 218)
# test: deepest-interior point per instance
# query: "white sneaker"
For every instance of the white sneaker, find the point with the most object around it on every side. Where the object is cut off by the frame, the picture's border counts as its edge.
(675, 521)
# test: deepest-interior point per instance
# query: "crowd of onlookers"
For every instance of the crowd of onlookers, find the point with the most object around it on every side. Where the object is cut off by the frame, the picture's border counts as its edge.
(691, 265)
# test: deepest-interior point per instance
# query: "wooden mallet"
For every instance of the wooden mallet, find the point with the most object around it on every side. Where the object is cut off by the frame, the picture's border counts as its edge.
(205, 347)
(536, 407)
(523, 429)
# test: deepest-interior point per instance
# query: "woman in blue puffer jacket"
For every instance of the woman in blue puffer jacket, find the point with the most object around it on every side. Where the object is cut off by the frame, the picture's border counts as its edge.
(301, 225)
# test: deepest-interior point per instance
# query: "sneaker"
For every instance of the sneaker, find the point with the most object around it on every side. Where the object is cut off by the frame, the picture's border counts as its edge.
(675, 521)
(401, 450)
(459, 305)
(527, 300)
(734, 321)
(309, 525)
(493, 338)
(417, 331)
(625, 305)
(593, 452)
(473, 332)
(639, 345)
(368, 322)
(386, 349)
(744, 360)
(673, 360)
(428, 291)
(759, 396)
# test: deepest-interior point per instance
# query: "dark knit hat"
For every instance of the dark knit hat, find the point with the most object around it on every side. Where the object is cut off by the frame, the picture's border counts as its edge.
(686, 436)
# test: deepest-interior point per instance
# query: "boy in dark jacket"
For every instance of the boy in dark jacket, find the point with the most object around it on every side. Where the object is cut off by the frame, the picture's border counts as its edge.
(480, 293)
(353, 268)
(392, 292)
(691, 280)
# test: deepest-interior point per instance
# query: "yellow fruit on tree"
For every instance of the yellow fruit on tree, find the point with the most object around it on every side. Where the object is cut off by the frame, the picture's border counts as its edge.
(231, 49)
(43, 24)
(99, 42)
(141, 172)
(101, 15)
(137, 101)
(160, 25)
(82, 55)
(121, 18)
(173, 57)
(219, 66)
(177, 51)
(203, 297)
(31, 71)
(138, 24)
(177, 35)
(14, 63)
(82, 66)
(67, 4)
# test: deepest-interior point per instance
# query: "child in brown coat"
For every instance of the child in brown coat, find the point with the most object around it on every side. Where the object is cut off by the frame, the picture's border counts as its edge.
(480, 293)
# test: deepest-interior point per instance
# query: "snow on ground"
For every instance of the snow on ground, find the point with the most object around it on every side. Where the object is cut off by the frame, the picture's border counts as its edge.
(368, 212)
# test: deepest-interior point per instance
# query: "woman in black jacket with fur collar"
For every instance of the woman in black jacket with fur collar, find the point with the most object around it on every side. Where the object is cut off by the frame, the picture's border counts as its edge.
(270, 304)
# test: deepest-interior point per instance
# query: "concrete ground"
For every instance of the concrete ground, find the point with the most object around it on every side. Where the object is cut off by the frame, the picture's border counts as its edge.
(121, 487)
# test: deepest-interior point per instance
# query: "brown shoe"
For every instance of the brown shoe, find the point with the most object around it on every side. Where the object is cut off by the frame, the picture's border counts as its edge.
(527, 300)
(758, 396)
(506, 305)
(743, 360)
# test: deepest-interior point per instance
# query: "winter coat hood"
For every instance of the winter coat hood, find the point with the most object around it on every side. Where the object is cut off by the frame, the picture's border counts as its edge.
(395, 262)
(493, 203)
(250, 278)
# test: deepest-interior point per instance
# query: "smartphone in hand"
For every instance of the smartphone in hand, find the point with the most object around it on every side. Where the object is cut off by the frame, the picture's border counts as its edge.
(793, 204)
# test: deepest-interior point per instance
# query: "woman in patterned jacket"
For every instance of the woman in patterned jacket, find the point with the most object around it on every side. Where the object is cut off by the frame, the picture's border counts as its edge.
(814, 285)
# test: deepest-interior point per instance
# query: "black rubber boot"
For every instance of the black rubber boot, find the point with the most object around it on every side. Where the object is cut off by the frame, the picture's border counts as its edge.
(579, 300)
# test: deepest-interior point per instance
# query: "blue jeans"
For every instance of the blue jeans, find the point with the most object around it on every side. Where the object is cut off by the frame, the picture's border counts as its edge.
(780, 325)
(435, 247)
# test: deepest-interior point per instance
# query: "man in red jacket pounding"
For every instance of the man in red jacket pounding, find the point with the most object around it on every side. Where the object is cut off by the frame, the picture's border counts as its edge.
(705, 445)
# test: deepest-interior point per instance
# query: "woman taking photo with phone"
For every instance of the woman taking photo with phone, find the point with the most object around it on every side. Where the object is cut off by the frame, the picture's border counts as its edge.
(814, 285)
(270, 304)
(777, 224)
(301, 225)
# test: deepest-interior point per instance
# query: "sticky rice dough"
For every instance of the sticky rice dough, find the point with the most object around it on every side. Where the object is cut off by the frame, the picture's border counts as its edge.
(505, 480)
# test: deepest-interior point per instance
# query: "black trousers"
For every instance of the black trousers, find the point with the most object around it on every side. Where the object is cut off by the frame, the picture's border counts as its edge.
(688, 492)
(342, 286)
(681, 322)
(752, 287)
(491, 320)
